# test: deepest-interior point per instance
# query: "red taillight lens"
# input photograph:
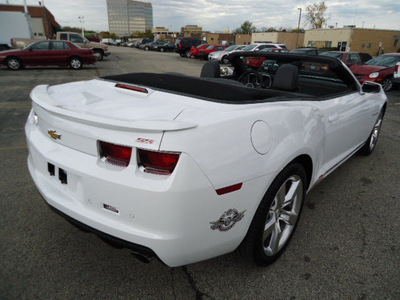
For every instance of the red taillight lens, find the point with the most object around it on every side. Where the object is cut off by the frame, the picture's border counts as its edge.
(396, 69)
(132, 88)
(180, 45)
(115, 154)
(157, 162)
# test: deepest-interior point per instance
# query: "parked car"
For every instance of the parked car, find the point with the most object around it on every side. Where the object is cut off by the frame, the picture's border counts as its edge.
(152, 45)
(184, 45)
(203, 53)
(48, 53)
(100, 50)
(167, 47)
(222, 56)
(308, 51)
(259, 60)
(260, 46)
(379, 69)
(143, 41)
(349, 58)
(396, 74)
(188, 168)
(195, 50)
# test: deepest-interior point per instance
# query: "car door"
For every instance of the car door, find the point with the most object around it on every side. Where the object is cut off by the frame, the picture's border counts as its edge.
(39, 54)
(348, 122)
(60, 52)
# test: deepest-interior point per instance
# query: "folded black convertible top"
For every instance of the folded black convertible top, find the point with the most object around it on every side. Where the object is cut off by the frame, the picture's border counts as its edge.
(212, 89)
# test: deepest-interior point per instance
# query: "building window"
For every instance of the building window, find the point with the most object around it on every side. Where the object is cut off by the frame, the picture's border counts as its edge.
(328, 44)
(369, 45)
(396, 43)
(363, 45)
(311, 43)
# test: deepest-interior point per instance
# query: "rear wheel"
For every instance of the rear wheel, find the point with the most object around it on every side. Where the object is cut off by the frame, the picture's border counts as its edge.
(75, 63)
(99, 54)
(162, 50)
(225, 60)
(182, 54)
(370, 143)
(14, 63)
(276, 218)
(187, 54)
(146, 48)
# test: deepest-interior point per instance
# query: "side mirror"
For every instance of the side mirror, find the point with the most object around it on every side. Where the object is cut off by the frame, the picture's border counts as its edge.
(371, 87)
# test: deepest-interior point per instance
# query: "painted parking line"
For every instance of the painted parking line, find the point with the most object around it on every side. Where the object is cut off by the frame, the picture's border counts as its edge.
(13, 148)
(16, 107)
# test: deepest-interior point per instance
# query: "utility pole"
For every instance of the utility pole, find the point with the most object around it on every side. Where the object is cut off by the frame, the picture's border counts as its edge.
(298, 28)
(82, 21)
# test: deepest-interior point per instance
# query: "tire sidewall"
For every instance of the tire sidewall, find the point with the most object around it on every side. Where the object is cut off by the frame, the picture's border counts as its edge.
(19, 63)
(71, 63)
(254, 238)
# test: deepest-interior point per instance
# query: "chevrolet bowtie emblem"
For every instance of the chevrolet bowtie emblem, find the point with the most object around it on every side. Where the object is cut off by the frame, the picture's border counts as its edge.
(53, 134)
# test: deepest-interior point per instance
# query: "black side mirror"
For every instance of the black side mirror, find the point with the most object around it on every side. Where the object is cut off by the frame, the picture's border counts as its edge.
(371, 87)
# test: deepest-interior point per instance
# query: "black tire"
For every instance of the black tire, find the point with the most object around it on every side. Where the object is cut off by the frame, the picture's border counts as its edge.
(162, 50)
(370, 143)
(259, 249)
(187, 54)
(225, 60)
(75, 63)
(14, 63)
(387, 84)
(182, 54)
(99, 54)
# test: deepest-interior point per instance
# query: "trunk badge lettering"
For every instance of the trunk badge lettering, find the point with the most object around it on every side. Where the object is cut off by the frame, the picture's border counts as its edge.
(53, 134)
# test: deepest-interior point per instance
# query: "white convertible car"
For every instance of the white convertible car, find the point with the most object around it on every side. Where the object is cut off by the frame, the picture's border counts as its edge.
(188, 168)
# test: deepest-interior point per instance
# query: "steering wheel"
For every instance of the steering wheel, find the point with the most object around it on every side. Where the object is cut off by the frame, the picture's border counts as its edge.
(251, 79)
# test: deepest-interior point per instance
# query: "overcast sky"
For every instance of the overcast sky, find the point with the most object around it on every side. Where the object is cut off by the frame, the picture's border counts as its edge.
(222, 15)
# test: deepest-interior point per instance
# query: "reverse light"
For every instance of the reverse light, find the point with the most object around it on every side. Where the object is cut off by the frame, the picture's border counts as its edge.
(115, 154)
(374, 75)
(156, 162)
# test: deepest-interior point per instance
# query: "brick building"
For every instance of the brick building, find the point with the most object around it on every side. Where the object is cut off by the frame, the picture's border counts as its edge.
(44, 25)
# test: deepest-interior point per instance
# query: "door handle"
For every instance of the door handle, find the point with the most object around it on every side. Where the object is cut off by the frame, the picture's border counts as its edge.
(333, 118)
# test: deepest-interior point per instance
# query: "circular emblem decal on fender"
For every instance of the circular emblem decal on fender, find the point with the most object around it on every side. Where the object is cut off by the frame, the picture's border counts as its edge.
(227, 220)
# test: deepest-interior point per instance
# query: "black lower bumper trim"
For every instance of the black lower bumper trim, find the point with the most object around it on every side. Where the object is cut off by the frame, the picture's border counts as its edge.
(113, 241)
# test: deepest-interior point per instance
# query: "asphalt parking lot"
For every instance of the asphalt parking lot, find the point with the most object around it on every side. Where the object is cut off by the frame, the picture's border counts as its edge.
(347, 245)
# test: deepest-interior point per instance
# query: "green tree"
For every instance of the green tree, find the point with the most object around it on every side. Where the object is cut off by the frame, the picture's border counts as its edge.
(315, 15)
(247, 27)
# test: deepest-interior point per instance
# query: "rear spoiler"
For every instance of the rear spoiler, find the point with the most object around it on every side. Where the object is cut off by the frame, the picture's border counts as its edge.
(41, 100)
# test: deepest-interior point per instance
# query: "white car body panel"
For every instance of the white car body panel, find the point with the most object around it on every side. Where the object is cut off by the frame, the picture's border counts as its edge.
(220, 144)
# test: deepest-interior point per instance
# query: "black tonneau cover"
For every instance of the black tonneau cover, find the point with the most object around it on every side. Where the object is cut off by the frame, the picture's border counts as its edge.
(211, 89)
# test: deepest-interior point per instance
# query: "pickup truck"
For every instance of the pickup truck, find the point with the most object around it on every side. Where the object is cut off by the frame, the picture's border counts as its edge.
(100, 50)
(396, 74)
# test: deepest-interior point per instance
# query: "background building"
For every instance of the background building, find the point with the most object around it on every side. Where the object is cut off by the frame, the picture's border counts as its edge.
(44, 25)
(288, 38)
(372, 41)
(127, 16)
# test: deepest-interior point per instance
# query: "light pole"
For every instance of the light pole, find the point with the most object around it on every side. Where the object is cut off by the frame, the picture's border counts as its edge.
(298, 28)
(82, 21)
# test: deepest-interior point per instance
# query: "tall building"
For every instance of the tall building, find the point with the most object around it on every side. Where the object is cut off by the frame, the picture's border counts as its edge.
(127, 16)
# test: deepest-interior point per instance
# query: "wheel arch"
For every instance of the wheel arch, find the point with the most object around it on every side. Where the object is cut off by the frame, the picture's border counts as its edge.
(306, 162)
(13, 56)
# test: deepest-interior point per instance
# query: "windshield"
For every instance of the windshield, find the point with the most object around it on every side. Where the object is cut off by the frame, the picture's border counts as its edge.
(333, 54)
(231, 48)
(299, 51)
(384, 60)
(27, 47)
(210, 47)
(249, 47)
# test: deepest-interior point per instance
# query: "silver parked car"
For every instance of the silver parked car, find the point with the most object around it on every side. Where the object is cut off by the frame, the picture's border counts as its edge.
(222, 56)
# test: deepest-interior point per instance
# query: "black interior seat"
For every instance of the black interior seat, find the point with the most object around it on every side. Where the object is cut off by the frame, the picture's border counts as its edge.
(211, 69)
(286, 78)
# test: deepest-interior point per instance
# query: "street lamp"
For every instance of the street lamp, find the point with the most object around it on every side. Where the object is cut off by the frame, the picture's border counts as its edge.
(82, 21)
(298, 28)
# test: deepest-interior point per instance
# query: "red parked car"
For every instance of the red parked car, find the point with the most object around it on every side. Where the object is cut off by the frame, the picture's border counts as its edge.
(379, 69)
(211, 48)
(195, 50)
(349, 58)
(258, 61)
(48, 53)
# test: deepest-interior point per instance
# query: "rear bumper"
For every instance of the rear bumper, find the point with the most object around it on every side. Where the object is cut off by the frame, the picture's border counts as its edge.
(170, 215)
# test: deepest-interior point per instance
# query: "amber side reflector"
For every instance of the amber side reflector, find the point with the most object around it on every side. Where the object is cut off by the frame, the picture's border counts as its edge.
(132, 88)
(229, 189)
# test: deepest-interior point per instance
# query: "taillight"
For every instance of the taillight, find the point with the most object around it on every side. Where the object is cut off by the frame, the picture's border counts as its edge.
(132, 88)
(396, 69)
(180, 45)
(157, 162)
(115, 154)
